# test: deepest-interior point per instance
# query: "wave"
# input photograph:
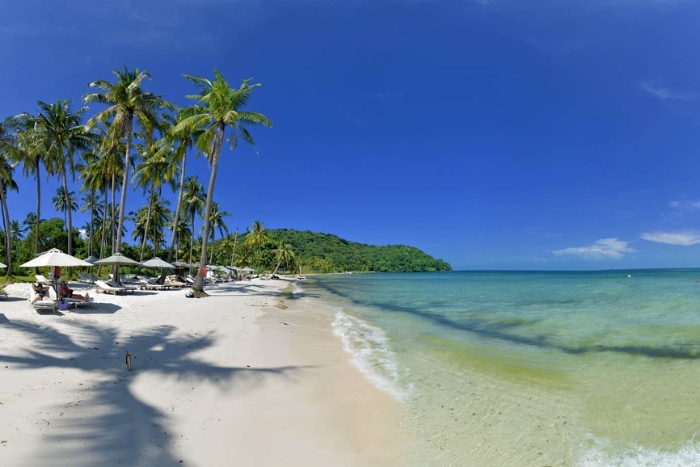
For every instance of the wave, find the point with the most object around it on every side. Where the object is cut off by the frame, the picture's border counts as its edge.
(369, 347)
(601, 455)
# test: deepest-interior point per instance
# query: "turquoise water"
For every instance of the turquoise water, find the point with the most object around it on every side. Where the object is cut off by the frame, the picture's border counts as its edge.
(531, 368)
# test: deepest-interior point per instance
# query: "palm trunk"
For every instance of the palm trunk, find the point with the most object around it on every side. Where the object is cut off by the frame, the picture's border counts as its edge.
(125, 185)
(176, 220)
(233, 255)
(192, 236)
(148, 221)
(103, 242)
(6, 225)
(113, 216)
(38, 207)
(92, 221)
(69, 217)
(277, 267)
(211, 256)
(198, 285)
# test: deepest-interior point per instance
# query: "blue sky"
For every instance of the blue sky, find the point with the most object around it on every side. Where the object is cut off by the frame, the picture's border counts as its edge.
(495, 134)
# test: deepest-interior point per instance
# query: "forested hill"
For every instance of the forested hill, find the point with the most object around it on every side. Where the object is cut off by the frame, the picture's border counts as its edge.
(318, 252)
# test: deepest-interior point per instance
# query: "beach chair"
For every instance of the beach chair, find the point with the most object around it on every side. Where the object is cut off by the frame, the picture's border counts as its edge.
(103, 287)
(128, 288)
(174, 282)
(42, 280)
(43, 306)
(3, 294)
(85, 279)
(154, 286)
(77, 303)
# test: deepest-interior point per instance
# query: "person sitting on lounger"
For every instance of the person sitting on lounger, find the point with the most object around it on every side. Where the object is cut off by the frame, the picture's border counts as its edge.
(65, 292)
(41, 293)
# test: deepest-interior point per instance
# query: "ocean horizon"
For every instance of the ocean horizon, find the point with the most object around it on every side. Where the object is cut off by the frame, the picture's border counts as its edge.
(580, 368)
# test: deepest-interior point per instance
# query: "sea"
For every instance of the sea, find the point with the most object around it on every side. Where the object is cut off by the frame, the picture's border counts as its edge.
(530, 368)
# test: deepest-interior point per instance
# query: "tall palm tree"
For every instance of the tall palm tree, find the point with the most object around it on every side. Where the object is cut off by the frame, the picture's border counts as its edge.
(220, 107)
(256, 238)
(180, 142)
(91, 203)
(127, 103)
(7, 182)
(30, 153)
(65, 202)
(193, 202)
(61, 134)
(156, 168)
(93, 181)
(284, 254)
(216, 222)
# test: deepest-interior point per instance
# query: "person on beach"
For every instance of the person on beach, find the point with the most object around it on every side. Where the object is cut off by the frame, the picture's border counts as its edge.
(65, 292)
(41, 293)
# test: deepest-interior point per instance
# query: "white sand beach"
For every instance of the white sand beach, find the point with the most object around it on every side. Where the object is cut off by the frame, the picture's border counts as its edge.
(246, 377)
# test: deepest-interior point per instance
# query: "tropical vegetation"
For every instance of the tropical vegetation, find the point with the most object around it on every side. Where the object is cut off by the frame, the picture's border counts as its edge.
(130, 141)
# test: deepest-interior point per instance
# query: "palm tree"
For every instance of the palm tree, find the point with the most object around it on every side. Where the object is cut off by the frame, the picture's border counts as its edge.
(63, 201)
(193, 202)
(91, 203)
(127, 103)
(216, 222)
(221, 107)
(284, 255)
(30, 153)
(180, 142)
(157, 167)
(256, 238)
(61, 134)
(7, 182)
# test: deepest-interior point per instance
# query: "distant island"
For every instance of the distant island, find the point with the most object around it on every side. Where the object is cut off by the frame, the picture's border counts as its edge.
(324, 253)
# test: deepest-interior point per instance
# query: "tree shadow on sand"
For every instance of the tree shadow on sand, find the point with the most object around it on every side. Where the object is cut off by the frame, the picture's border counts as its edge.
(104, 423)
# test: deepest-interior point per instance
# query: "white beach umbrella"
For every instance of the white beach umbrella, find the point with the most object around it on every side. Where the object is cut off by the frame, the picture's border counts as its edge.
(55, 257)
(117, 259)
(157, 263)
(3, 265)
(91, 259)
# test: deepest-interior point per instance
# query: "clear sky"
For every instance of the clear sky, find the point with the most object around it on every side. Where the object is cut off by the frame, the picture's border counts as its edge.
(495, 134)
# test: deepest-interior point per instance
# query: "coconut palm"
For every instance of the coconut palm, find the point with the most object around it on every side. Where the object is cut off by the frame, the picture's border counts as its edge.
(156, 168)
(61, 134)
(179, 142)
(256, 238)
(65, 202)
(7, 182)
(193, 202)
(91, 203)
(127, 104)
(30, 153)
(216, 222)
(220, 107)
(284, 254)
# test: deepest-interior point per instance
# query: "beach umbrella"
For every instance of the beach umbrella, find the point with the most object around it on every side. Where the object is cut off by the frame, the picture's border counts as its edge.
(180, 264)
(55, 257)
(3, 265)
(117, 260)
(157, 263)
(91, 259)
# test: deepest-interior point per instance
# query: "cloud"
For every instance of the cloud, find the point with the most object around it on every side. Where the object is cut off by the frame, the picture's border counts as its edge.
(605, 248)
(83, 234)
(673, 238)
(685, 205)
(664, 93)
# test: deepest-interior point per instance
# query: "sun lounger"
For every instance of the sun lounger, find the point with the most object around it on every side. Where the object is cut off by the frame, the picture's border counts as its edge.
(84, 278)
(128, 288)
(77, 303)
(42, 280)
(154, 286)
(3, 294)
(44, 306)
(103, 287)
(174, 283)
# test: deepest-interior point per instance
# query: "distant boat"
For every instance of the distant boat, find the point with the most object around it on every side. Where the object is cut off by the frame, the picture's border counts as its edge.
(629, 276)
(348, 272)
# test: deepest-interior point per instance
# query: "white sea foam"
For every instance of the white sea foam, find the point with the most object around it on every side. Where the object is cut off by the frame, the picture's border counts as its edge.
(369, 347)
(601, 454)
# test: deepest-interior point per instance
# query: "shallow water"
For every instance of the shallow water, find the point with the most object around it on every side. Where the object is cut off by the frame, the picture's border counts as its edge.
(531, 368)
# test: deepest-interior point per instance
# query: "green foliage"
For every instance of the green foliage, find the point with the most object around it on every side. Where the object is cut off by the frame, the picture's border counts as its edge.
(324, 253)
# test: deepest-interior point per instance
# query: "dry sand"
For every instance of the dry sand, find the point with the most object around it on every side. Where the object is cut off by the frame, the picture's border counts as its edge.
(247, 377)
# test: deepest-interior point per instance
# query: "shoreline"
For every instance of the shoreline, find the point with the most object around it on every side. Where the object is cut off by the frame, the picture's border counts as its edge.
(215, 380)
